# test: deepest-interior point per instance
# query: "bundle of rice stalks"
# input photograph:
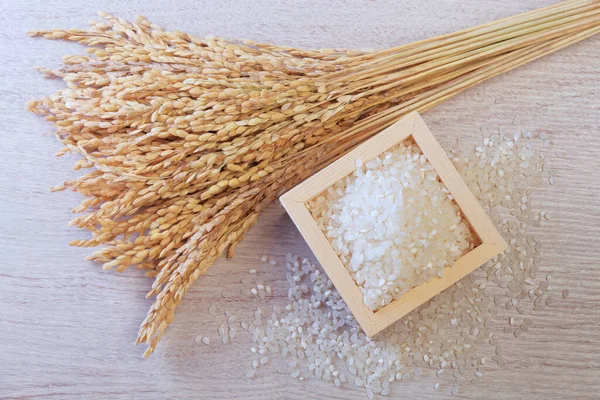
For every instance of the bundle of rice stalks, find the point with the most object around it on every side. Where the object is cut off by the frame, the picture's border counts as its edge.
(188, 139)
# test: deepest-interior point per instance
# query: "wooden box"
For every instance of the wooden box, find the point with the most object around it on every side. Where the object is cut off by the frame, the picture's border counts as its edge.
(294, 201)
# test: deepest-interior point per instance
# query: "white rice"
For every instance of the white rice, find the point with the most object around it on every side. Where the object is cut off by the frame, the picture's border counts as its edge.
(315, 335)
(393, 224)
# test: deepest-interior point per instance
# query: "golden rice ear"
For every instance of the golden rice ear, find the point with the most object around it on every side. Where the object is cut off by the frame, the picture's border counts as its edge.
(161, 124)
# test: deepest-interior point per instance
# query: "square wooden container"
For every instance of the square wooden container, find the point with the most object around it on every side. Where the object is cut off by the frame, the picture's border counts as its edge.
(413, 126)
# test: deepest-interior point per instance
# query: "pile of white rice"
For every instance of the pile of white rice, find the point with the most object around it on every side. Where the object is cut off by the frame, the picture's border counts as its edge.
(455, 338)
(393, 224)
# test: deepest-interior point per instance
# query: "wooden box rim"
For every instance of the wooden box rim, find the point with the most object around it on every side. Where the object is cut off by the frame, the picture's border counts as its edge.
(412, 125)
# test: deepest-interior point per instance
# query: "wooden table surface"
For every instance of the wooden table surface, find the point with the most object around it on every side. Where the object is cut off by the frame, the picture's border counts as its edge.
(67, 328)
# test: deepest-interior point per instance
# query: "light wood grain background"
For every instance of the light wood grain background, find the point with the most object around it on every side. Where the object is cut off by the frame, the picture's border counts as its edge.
(67, 328)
